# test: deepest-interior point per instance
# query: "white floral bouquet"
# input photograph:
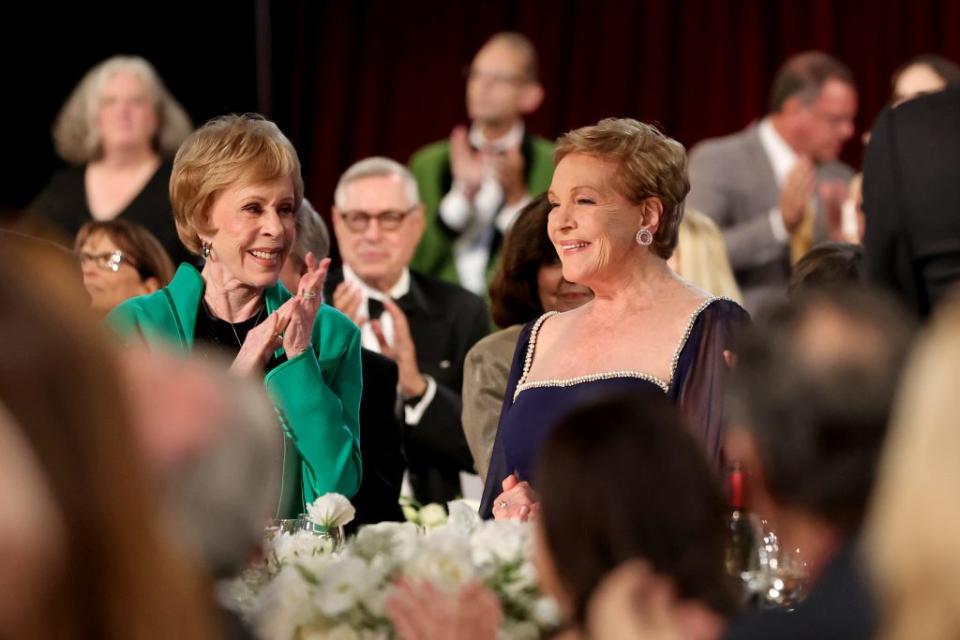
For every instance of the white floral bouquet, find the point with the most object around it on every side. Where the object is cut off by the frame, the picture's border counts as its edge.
(312, 592)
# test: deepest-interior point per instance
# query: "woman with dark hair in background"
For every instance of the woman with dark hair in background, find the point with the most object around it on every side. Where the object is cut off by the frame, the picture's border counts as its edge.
(632, 485)
(529, 282)
(120, 260)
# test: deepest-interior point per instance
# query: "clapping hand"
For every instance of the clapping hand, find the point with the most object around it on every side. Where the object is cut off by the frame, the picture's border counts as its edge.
(402, 351)
(304, 306)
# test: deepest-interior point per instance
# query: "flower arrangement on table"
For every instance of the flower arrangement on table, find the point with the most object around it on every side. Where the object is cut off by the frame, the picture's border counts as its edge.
(310, 589)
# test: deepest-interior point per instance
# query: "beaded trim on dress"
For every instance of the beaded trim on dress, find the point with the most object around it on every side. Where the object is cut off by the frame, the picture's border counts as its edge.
(522, 385)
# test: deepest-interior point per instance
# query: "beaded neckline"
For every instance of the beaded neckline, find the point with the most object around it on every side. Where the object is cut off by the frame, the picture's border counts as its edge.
(523, 385)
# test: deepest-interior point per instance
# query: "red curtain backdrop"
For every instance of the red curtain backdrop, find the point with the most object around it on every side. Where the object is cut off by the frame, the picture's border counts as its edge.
(353, 79)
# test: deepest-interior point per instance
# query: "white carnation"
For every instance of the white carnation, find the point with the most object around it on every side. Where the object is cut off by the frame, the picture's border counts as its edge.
(284, 605)
(331, 510)
(500, 541)
(286, 547)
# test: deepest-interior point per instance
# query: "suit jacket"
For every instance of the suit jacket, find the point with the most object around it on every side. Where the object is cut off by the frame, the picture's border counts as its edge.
(316, 394)
(485, 374)
(839, 606)
(381, 444)
(732, 181)
(445, 321)
(911, 200)
(431, 167)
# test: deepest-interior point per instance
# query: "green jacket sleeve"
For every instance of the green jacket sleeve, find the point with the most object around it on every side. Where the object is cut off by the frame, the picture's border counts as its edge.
(317, 396)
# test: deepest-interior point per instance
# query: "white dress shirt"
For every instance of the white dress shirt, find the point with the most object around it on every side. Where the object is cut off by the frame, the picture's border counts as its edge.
(476, 219)
(369, 339)
(782, 158)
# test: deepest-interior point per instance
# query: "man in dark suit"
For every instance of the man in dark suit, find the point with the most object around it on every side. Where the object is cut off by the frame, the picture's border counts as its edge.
(381, 446)
(424, 324)
(776, 187)
(911, 199)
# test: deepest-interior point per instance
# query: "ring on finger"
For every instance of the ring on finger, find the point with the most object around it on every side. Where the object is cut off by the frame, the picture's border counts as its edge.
(502, 504)
(308, 294)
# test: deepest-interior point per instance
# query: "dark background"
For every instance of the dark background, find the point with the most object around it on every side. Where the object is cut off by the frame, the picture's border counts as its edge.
(350, 79)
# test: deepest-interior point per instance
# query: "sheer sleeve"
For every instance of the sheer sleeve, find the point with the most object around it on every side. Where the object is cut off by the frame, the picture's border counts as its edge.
(499, 469)
(701, 369)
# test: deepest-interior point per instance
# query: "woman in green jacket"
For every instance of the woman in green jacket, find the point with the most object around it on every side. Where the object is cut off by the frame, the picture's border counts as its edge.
(235, 188)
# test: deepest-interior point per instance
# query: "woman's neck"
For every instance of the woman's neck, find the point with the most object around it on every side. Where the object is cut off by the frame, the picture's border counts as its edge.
(637, 287)
(128, 158)
(227, 297)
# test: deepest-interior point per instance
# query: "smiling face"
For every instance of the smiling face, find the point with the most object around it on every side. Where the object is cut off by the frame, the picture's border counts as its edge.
(254, 231)
(377, 255)
(592, 226)
(126, 117)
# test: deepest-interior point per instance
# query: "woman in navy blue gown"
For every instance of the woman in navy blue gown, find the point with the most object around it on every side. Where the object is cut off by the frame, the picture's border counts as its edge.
(617, 196)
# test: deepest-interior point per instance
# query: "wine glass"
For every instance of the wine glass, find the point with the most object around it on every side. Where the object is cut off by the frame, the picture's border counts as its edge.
(780, 575)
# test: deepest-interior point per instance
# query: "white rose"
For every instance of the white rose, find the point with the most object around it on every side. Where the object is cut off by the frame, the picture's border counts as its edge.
(432, 516)
(346, 581)
(500, 541)
(394, 541)
(443, 558)
(464, 515)
(331, 510)
(283, 606)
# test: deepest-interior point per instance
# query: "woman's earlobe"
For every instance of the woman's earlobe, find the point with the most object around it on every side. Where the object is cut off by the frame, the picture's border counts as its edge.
(151, 284)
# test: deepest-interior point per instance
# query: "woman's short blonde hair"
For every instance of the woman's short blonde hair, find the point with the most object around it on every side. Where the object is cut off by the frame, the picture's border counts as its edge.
(914, 524)
(224, 151)
(650, 165)
(75, 132)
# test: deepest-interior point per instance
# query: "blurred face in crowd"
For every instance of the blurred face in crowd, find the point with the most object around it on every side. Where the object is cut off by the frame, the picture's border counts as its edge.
(592, 226)
(255, 230)
(556, 294)
(31, 540)
(109, 274)
(917, 80)
(498, 89)
(127, 116)
(378, 229)
(827, 122)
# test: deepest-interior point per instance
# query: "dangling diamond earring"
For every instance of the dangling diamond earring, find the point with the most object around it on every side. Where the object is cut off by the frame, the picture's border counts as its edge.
(644, 237)
(205, 250)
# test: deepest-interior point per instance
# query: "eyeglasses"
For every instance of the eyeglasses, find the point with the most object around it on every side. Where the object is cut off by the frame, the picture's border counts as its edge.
(110, 261)
(389, 220)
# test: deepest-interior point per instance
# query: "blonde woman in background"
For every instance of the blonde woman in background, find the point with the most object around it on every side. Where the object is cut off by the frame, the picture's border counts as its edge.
(118, 131)
(701, 257)
(915, 521)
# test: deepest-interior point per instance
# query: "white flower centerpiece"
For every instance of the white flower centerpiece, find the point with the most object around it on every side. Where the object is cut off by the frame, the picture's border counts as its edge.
(313, 591)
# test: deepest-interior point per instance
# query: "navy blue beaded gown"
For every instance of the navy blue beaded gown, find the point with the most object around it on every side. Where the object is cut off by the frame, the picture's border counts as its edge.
(530, 409)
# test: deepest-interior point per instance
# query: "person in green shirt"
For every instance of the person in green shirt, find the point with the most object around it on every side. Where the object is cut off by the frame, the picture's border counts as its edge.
(474, 184)
(235, 188)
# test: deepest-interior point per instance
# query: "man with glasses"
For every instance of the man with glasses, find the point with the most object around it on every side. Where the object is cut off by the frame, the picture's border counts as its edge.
(424, 324)
(474, 184)
(776, 187)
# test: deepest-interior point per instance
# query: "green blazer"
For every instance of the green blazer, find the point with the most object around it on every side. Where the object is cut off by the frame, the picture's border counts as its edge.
(431, 167)
(316, 394)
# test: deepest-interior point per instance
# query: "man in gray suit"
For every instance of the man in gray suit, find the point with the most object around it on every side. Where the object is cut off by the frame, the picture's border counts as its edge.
(776, 187)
